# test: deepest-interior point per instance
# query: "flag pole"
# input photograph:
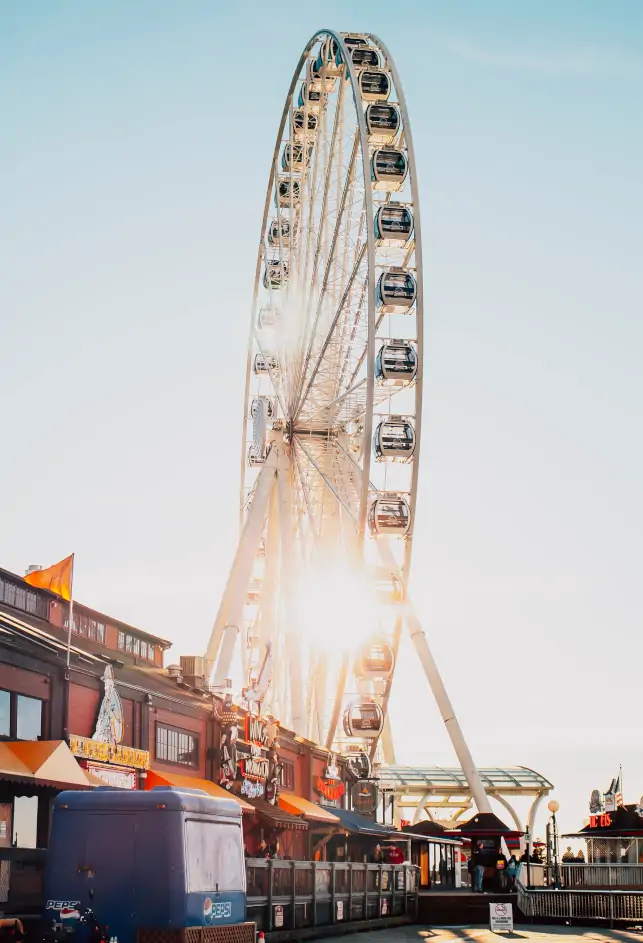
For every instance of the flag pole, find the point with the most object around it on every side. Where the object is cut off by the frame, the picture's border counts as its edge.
(71, 609)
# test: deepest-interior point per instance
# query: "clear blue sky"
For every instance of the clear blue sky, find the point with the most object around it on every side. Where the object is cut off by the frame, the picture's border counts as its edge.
(134, 151)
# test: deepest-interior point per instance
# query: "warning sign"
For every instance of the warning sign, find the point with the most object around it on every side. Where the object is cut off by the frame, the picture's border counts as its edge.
(501, 918)
(340, 909)
(279, 916)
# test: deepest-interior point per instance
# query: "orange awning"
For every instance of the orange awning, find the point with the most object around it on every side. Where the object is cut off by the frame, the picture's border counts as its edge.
(297, 805)
(154, 778)
(43, 762)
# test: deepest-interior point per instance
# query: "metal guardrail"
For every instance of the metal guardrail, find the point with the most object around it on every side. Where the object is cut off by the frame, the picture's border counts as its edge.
(287, 895)
(602, 875)
(611, 906)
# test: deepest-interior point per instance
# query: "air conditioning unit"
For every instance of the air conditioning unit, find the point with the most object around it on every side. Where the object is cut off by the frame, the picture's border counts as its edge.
(193, 666)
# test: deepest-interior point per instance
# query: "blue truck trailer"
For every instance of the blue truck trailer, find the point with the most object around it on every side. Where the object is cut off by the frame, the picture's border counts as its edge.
(164, 864)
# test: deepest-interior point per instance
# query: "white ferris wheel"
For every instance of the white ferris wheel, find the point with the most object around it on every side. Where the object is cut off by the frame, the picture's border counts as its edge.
(317, 595)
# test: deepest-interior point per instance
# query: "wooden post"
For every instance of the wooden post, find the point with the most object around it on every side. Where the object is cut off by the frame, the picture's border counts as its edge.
(293, 892)
(314, 867)
(270, 894)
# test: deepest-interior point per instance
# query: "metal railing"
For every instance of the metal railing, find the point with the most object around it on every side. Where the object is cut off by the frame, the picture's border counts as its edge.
(602, 875)
(613, 905)
(287, 895)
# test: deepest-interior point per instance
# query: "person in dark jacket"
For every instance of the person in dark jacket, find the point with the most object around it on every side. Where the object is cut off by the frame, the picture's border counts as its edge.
(501, 871)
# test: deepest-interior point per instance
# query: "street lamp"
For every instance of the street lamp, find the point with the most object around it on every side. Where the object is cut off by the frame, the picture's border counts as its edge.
(552, 841)
(528, 849)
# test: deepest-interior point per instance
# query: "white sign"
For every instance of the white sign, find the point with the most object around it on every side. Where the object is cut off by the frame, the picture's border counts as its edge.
(501, 918)
(112, 776)
(340, 909)
(279, 916)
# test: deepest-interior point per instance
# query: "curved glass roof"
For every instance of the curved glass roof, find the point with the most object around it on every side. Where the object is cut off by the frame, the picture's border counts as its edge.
(440, 778)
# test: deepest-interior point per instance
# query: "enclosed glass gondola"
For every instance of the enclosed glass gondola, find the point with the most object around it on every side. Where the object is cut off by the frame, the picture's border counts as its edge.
(255, 457)
(363, 718)
(365, 57)
(275, 274)
(389, 167)
(320, 78)
(264, 364)
(268, 318)
(393, 225)
(382, 122)
(375, 661)
(266, 403)
(285, 187)
(298, 121)
(374, 85)
(296, 157)
(389, 516)
(396, 363)
(273, 232)
(311, 97)
(394, 440)
(396, 291)
(329, 60)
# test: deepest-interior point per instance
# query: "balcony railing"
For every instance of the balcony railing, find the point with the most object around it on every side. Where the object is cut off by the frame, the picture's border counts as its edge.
(287, 895)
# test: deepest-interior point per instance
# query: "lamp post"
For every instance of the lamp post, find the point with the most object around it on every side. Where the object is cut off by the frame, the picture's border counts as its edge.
(552, 829)
(528, 849)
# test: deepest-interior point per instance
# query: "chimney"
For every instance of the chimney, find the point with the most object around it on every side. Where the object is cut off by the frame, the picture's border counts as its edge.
(32, 568)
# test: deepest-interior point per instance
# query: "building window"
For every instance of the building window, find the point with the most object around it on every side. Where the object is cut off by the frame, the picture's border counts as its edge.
(136, 646)
(128, 643)
(23, 597)
(10, 594)
(5, 714)
(21, 717)
(28, 718)
(121, 640)
(288, 775)
(100, 632)
(150, 652)
(92, 628)
(176, 746)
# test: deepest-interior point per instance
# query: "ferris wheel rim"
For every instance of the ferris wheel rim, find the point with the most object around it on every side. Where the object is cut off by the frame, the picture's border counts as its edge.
(322, 34)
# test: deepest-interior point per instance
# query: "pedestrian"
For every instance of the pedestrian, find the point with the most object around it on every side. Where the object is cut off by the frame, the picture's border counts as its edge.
(524, 858)
(263, 849)
(568, 855)
(580, 857)
(501, 868)
(377, 856)
(512, 873)
(478, 865)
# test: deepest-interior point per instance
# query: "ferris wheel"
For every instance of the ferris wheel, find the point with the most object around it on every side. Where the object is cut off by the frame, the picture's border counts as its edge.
(317, 595)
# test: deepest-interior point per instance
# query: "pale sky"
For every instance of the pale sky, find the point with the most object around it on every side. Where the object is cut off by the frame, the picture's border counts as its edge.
(134, 155)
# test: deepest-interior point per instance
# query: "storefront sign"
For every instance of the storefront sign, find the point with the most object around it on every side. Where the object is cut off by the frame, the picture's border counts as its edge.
(331, 789)
(102, 752)
(113, 776)
(600, 821)
(105, 746)
(255, 767)
(365, 797)
(501, 918)
(256, 730)
(252, 789)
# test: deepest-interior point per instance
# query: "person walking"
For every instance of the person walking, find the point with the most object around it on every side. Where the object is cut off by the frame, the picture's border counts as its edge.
(512, 873)
(478, 868)
(501, 868)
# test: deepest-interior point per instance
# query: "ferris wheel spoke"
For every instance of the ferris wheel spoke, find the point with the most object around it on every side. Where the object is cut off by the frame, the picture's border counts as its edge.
(341, 476)
(328, 267)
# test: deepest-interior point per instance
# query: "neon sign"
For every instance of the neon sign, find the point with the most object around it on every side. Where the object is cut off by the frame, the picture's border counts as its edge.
(600, 821)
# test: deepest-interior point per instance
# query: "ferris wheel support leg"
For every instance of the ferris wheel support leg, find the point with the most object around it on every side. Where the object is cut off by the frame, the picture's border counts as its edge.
(420, 641)
(230, 615)
(288, 565)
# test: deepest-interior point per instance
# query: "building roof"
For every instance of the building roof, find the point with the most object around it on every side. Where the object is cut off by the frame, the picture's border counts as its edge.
(362, 825)
(119, 624)
(483, 823)
(516, 779)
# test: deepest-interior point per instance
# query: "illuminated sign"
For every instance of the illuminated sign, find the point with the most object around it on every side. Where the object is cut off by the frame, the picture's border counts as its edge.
(102, 752)
(600, 821)
(365, 796)
(330, 788)
(256, 730)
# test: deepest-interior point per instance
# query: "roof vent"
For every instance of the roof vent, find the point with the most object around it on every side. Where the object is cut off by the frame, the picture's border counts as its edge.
(175, 672)
(32, 568)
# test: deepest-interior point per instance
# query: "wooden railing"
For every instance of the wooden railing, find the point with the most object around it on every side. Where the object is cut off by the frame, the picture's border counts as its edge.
(287, 895)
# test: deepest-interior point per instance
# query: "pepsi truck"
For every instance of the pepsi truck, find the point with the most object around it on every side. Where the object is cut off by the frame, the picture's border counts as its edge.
(160, 865)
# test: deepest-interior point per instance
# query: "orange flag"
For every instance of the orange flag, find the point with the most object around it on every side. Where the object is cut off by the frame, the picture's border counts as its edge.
(56, 578)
